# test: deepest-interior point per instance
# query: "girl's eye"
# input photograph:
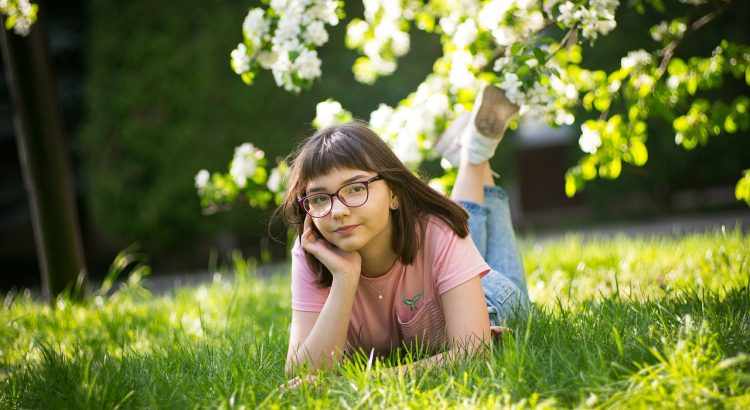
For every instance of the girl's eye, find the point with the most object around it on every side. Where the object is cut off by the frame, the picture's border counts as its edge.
(318, 199)
(357, 188)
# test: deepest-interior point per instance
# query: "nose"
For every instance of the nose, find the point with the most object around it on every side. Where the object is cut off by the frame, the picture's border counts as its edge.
(338, 207)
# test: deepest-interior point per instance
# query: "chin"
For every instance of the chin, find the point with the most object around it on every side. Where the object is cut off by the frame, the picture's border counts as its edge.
(348, 245)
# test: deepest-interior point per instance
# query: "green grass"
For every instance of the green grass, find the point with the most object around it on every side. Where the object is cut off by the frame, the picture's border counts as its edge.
(618, 323)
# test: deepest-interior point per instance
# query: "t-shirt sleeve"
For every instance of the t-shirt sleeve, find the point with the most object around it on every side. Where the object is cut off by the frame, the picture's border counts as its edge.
(456, 259)
(306, 295)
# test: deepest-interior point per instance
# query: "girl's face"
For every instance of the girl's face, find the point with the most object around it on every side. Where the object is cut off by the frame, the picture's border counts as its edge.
(358, 228)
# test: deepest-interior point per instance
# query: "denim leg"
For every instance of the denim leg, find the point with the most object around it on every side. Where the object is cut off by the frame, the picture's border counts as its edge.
(502, 294)
(477, 225)
(502, 249)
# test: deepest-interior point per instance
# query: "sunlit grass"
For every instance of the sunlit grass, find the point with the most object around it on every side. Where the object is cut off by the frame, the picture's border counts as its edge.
(621, 322)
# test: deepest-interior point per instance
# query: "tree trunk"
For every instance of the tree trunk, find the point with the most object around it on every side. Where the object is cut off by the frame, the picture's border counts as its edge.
(44, 158)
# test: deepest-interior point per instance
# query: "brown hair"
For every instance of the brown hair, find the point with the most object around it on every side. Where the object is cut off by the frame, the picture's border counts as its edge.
(353, 145)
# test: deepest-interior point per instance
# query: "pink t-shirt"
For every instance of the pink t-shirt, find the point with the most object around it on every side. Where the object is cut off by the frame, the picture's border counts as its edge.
(411, 309)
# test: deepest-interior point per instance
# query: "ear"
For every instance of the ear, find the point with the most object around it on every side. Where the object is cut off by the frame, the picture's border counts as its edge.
(394, 202)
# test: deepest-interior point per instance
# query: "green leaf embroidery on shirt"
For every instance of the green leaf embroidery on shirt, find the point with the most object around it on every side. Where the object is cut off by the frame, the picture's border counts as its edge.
(412, 303)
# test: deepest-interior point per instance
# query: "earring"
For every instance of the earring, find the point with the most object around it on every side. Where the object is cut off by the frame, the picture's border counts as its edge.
(394, 206)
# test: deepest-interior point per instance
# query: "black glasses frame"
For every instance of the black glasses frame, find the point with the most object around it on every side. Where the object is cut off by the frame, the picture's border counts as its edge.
(336, 194)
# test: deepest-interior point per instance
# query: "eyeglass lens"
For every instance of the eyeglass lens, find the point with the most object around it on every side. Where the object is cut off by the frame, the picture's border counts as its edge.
(352, 195)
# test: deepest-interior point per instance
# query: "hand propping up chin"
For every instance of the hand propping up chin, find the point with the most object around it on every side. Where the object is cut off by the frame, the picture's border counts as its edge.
(340, 263)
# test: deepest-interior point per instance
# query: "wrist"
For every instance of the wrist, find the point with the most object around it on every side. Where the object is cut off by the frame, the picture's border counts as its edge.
(348, 279)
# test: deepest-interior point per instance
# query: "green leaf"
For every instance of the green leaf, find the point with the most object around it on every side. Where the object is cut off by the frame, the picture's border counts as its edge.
(747, 75)
(516, 49)
(602, 103)
(588, 100)
(588, 169)
(681, 124)
(573, 182)
(677, 67)
(742, 190)
(611, 170)
(10, 22)
(729, 125)
(539, 54)
(248, 77)
(692, 84)
(426, 22)
(639, 152)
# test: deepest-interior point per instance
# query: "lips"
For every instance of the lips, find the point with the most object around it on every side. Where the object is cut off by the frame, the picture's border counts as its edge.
(346, 229)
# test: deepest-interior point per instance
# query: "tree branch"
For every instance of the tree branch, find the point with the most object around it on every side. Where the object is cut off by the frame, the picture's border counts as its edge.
(668, 51)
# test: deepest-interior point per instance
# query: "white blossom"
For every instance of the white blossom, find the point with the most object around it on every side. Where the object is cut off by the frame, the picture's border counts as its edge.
(325, 11)
(274, 183)
(590, 139)
(316, 33)
(280, 5)
(371, 7)
(288, 27)
(567, 16)
(22, 12)
(255, 26)
(449, 24)
(659, 31)
(240, 60)
(502, 62)
(243, 164)
(466, 33)
(326, 113)
(511, 84)
(201, 179)
(599, 19)
(400, 43)
(637, 58)
(356, 32)
(505, 35)
(266, 59)
(492, 13)
(380, 118)
(307, 65)
(406, 148)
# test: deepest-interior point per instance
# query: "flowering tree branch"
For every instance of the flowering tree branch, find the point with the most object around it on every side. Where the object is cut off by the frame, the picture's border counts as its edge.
(507, 43)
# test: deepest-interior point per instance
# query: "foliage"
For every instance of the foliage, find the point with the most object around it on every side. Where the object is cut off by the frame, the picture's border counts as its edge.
(20, 15)
(534, 51)
(618, 322)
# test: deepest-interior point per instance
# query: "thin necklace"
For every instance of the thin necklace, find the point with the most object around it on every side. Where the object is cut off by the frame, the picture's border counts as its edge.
(380, 292)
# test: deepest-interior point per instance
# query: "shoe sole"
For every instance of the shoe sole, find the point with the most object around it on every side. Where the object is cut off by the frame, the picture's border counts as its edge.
(494, 113)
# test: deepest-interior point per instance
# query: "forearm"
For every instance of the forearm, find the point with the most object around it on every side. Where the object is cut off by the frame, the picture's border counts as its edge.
(326, 342)
(468, 347)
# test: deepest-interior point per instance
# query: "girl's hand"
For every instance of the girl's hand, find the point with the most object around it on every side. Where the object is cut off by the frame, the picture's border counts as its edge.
(340, 263)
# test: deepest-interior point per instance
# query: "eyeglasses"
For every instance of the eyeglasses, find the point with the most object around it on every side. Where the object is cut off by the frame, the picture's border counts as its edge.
(352, 195)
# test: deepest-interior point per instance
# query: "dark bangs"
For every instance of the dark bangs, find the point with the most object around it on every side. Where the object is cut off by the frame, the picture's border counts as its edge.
(329, 150)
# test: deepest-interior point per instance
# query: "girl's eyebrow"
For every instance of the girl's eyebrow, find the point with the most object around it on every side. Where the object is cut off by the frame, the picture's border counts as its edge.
(352, 179)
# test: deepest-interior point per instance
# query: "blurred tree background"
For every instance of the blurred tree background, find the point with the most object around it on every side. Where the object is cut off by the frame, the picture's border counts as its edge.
(162, 102)
(155, 100)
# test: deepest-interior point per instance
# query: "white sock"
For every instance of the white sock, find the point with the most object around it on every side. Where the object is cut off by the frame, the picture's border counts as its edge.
(476, 146)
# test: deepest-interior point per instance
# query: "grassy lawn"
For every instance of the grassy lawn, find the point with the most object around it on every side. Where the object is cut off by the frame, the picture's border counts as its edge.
(626, 323)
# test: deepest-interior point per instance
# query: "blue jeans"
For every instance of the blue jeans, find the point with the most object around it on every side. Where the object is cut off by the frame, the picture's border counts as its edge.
(492, 232)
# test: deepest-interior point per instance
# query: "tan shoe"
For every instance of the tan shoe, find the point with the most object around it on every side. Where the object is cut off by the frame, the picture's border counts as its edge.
(490, 118)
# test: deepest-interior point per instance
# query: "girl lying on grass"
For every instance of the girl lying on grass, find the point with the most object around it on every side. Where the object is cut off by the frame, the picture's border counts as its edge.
(383, 261)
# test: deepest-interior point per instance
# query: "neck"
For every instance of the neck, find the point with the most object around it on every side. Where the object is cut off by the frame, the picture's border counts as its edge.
(377, 256)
